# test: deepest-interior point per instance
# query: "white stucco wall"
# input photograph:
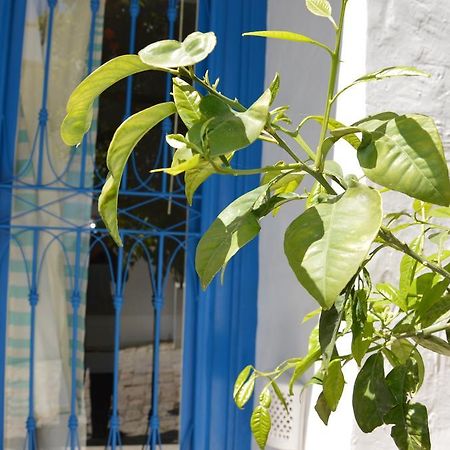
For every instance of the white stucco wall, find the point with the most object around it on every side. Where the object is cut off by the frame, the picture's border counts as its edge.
(378, 34)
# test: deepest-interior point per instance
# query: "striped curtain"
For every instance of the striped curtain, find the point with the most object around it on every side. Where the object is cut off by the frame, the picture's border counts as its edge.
(56, 206)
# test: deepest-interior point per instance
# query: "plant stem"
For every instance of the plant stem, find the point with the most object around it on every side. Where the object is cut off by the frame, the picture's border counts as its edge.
(392, 241)
(335, 61)
(425, 331)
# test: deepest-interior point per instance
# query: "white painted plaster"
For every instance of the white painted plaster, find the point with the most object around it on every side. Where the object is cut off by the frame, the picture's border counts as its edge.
(378, 34)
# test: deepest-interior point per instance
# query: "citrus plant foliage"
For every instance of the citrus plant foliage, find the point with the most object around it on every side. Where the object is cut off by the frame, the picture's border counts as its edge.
(341, 224)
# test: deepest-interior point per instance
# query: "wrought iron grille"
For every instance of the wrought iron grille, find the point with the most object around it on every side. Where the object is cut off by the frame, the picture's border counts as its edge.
(49, 226)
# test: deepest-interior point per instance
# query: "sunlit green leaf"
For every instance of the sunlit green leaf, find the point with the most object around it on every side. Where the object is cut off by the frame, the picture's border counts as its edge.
(79, 107)
(260, 424)
(319, 7)
(169, 53)
(405, 154)
(235, 226)
(372, 398)
(122, 145)
(245, 392)
(241, 379)
(265, 399)
(229, 130)
(328, 242)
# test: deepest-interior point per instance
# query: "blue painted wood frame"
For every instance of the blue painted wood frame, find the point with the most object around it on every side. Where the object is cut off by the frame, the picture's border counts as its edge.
(221, 325)
(12, 20)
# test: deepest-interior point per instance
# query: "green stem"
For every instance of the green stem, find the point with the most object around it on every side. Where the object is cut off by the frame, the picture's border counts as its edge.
(425, 332)
(395, 243)
(335, 61)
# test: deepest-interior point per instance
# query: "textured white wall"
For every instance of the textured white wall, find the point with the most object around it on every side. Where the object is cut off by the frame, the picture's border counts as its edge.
(379, 33)
(412, 33)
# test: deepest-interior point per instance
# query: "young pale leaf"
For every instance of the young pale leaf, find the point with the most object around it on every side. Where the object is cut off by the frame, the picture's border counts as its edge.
(387, 72)
(288, 36)
(372, 398)
(265, 399)
(327, 243)
(241, 379)
(183, 160)
(260, 424)
(187, 101)
(274, 87)
(170, 54)
(319, 7)
(333, 384)
(235, 226)
(122, 145)
(229, 130)
(322, 409)
(410, 430)
(245, 392)
(79, 107)
(406, 154)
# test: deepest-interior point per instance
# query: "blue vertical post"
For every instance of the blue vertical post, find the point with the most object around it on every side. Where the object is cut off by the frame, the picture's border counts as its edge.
(43, 113)
(33, 298)
(154, 436)
(167, 126)
(72, 424)
(12, 20)
(95, 5)
(134, 14)
(114, 440)
(224, 334)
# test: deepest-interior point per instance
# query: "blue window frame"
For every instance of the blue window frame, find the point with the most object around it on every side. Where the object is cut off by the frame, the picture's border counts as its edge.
(221, 324)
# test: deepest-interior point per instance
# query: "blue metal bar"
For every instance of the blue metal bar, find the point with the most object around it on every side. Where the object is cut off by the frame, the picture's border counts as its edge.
(134, 13)
(12, 20)
(33, 300)
(72, 424)
(43, 113)
(95, 4)
(167, 126)
(114, 440)
(154, 436)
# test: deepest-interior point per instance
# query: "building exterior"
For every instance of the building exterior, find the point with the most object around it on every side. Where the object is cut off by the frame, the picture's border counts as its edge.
(150, 331)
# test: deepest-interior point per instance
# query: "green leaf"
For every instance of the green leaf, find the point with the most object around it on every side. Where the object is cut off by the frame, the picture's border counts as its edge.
(187, 101)
(288, 36)
(79, 107)
(241, 379)
(303, 365)
(280, 396)
(122, 145)
(434, 343)
(245, 392)
(322, 409)
(260, 425)
(361, 342)
(333, 384)
(194, 178)
(235, 226)
(229, 130)
(405, 154)
(311, 315)
(410, 430)
(371, 396)
(404, 380)
(328, 329)
(170, 54)
(327, 243)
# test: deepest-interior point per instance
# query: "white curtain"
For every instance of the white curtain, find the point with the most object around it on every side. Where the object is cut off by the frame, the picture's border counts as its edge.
(61, 167)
